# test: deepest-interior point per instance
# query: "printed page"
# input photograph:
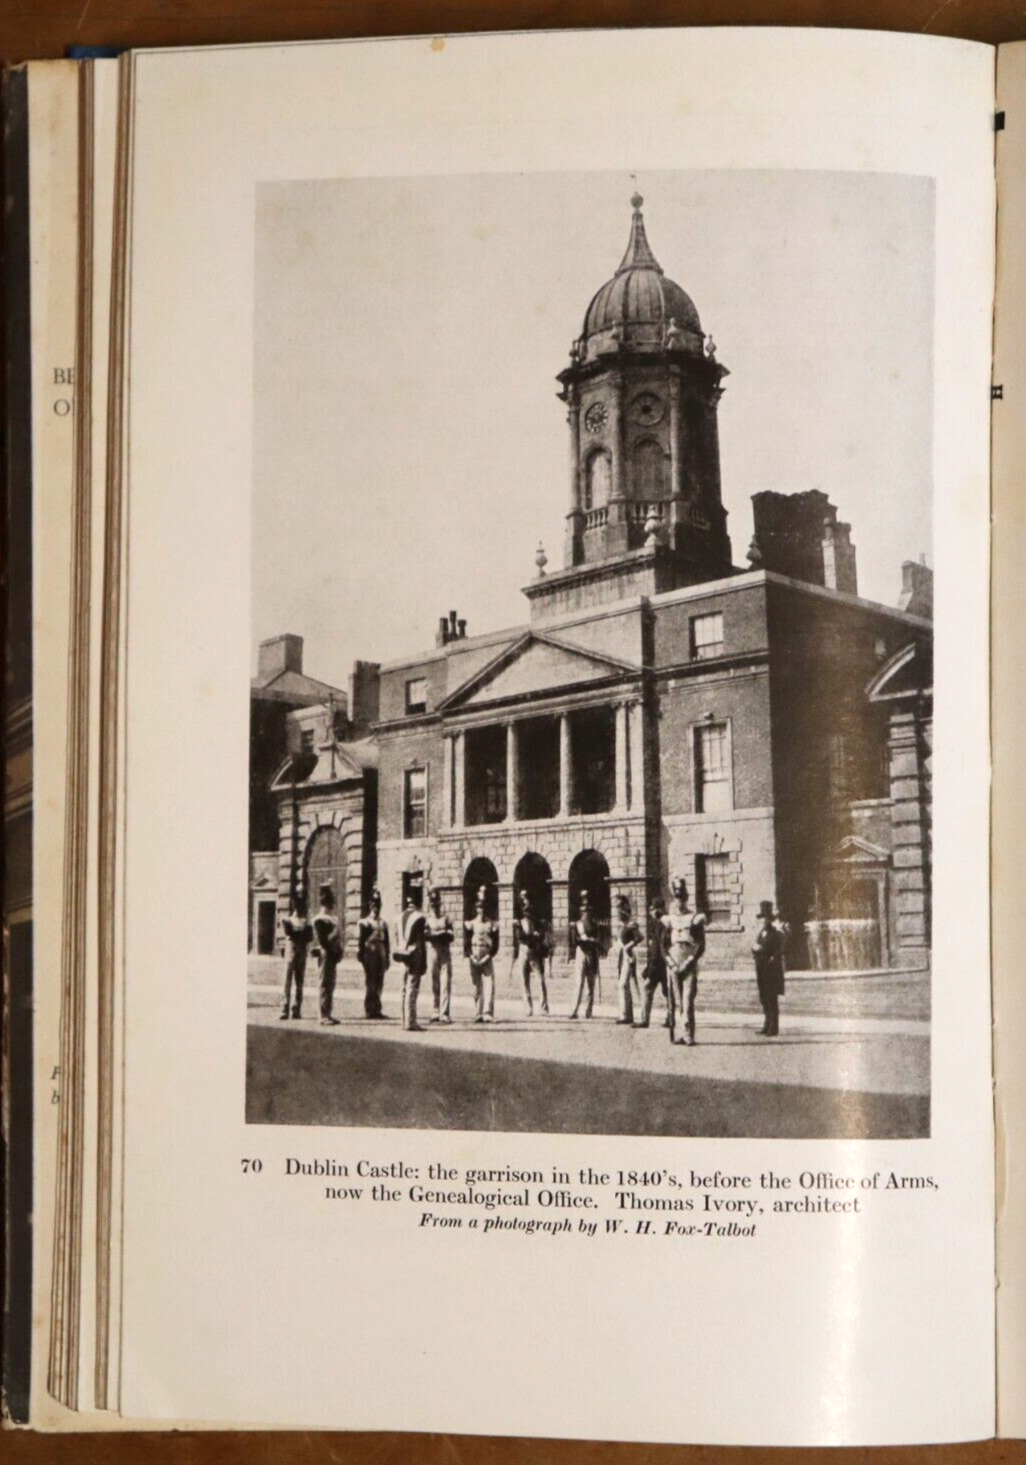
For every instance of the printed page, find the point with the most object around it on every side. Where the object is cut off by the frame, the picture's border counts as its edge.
(546, 944)
(1008, 705)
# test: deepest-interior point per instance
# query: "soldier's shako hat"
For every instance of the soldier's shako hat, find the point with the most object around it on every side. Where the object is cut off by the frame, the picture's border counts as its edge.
(679, 887)
(766, 912)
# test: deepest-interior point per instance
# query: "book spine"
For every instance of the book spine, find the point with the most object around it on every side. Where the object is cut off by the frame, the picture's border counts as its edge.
(16, 583)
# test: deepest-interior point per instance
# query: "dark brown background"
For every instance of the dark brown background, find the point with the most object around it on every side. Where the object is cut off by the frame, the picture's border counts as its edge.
(36, 28)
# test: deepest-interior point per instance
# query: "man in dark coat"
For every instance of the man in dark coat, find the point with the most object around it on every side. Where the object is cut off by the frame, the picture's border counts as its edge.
(768, 950)
(413, 956)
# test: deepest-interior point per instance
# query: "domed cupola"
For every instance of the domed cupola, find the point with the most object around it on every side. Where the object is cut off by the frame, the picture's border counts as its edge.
(642, 391)
(640, 305)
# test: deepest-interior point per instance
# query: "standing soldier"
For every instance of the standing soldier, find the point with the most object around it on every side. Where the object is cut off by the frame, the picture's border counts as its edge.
(375, 955)
(329, 942)
(654, 975)
(628, 937)
(586, 957)
(529, 934)
(413, 956)
(439, 933)
(683, 944)
(484, 943)
(768, 950)
(298, 935)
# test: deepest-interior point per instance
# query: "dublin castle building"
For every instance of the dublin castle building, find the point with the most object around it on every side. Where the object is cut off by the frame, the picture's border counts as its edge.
(762, 731)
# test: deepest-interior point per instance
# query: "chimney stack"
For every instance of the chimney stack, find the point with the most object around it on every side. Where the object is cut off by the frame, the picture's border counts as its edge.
(278, 654)
(917, 588)
(450, 628)
(839, 571)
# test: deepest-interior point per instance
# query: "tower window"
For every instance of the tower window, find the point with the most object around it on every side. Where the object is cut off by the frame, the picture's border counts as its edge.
(416, 695)
(415, 803)
(649, 470)
(707, 635)
(597, 477)
(308, 740)
(713, 792)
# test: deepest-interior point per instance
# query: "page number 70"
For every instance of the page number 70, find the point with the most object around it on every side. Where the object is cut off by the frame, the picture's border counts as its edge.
(252, 1167)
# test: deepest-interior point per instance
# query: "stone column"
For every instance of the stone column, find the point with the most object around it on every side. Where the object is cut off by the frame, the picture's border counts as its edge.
(572, 549)
(512, 800)
(676, 482)
(620, 757)
(616, 524)
(566, 772)
(636, 756)
(460, 778)
(448, 790)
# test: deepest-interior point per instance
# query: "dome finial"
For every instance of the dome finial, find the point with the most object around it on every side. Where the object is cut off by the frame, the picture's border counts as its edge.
(639, 256)
(636, 201)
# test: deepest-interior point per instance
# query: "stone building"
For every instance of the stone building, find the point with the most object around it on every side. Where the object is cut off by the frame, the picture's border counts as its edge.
(762, 731)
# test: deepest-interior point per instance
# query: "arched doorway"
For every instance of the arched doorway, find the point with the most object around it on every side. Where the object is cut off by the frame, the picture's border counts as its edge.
(533, 875)
(589, 871)
(326, 865)
(480, 872)
(598, 475)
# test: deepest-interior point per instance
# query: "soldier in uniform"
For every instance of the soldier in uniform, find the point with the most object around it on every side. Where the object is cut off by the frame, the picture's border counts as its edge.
(298, 935)
(586, 954)
(439, 933)
(768, 950)
(413, 955)
(484, 943)
(375, 955)
(628, 938)
(531, 939)
(683, 945)
(654, 975)
(329, 941)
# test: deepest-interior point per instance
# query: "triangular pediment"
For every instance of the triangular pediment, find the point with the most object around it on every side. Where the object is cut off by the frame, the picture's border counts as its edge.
(329, 764)
(532, 667)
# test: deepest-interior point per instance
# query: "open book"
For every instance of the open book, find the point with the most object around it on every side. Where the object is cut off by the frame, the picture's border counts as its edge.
(490, 903)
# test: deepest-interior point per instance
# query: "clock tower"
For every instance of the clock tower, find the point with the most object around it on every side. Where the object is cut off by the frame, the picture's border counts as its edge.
(642, 390)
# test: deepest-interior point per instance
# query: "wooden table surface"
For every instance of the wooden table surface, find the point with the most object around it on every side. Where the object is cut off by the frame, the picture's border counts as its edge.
(40, 28)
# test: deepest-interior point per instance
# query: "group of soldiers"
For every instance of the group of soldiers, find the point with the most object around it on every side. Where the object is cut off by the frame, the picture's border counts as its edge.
(671, 957)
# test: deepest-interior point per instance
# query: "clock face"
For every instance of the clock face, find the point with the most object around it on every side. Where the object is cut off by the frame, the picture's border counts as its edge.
(646, 409)
(596, 417)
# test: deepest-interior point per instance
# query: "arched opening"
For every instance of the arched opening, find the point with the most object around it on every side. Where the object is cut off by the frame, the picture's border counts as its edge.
(326, 865)
(533, 875)
(598, 472)
(589, 871)
(649, 470)
(480, 873)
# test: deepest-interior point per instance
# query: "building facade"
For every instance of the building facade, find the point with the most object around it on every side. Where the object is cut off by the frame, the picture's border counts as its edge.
(763, 732)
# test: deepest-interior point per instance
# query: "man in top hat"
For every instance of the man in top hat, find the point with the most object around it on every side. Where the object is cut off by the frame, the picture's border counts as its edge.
(683, 945)
(483, 934)
(412, 954)
(375, 955)
(439, 933)
(328, 937)
(768, 950)
(586, 954)
(654, 975)
(298, 934)
(628, 938)
(530, 948)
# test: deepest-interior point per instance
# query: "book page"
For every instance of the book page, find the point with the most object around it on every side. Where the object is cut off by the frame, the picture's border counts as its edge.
(1008, 610)
(598, 729)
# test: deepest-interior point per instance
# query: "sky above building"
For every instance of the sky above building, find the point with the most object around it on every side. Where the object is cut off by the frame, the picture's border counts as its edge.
(409, 449)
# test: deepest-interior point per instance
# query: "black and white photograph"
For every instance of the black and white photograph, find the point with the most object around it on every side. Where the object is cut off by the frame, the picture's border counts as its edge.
(591, 690)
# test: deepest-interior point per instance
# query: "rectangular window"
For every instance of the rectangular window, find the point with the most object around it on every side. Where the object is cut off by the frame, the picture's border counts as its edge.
(494, 794)
(713, 894)
(416, 695)
(712, 768)
(415, 803)
(308, 740)
(707, 636)
(838, 767)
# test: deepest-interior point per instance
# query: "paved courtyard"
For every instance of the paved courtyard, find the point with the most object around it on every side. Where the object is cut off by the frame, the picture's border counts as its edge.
(852, 1060)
